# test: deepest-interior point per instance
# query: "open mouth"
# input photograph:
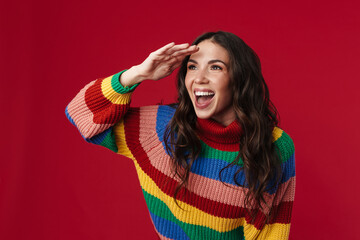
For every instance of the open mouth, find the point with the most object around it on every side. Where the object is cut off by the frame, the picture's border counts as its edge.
(204, 97)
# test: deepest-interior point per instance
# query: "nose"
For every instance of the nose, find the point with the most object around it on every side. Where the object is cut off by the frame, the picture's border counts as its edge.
(201, 77)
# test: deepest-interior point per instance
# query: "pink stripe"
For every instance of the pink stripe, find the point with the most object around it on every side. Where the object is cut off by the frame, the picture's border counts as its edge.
(286, 191)
(82, 115)
(201, 186)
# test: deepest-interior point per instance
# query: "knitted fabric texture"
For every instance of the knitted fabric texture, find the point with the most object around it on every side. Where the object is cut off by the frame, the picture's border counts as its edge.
(210, 209)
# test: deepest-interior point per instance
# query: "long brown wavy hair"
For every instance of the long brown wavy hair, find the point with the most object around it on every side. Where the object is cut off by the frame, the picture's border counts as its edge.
(255, 113)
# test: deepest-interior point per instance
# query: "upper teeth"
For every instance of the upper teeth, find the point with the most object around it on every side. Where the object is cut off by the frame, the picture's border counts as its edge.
(204, 93)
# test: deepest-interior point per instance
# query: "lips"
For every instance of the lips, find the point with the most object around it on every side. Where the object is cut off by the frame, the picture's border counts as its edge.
(203, 97)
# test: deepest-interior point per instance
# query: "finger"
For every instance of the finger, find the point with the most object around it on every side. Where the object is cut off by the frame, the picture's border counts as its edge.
(187, 51)
(165, 48)
(177, 48)
(181, 53)
(175, 60)
(177, 63)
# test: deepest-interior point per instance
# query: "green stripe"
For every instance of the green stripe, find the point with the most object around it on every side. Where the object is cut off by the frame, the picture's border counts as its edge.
(212, 153)
(285, 146)
(116, 85)
(109, 142)
(159, 208)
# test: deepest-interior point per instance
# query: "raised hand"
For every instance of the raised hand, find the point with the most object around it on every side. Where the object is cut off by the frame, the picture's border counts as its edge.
(158, 64)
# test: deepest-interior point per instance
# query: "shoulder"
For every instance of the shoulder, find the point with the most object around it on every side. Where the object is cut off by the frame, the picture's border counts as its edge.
(284, 144)
(149, 117)
(166, 112)
(158, 112)
(163, 116)
(153, 117)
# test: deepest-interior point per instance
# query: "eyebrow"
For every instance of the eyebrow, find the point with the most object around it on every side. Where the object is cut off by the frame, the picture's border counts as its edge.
(210, 62)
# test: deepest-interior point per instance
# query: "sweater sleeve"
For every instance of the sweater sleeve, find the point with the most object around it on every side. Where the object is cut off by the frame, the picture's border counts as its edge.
(279, 226)
(98, 111)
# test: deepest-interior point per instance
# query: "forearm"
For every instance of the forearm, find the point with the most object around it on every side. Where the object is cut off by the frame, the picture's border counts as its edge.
(99, 105)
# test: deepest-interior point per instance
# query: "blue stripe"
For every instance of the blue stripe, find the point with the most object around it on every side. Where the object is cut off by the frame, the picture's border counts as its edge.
(168, 229)
(209, 167)
(163, 117)
(288, 168)
(98, 139)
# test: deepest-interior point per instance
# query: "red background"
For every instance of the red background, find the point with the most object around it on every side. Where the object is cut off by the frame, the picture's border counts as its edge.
(54, 185)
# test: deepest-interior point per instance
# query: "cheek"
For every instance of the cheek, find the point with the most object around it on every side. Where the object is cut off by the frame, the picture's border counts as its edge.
(226, 95)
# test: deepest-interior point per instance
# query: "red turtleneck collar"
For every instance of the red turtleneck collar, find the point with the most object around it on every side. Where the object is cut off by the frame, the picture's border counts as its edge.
(218, 136)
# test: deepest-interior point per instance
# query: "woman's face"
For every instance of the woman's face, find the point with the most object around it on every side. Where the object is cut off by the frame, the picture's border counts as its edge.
(208, 83)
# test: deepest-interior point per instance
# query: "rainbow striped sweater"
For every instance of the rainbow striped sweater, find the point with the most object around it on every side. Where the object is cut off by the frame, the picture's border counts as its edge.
(209, 209)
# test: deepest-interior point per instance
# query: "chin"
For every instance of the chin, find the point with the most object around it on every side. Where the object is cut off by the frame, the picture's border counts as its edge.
(203, 114)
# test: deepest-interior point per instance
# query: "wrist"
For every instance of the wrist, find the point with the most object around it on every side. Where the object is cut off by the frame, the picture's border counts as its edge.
(117, 85)
(131, 77)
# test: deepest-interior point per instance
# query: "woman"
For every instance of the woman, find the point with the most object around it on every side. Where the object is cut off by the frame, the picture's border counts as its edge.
(212, 166)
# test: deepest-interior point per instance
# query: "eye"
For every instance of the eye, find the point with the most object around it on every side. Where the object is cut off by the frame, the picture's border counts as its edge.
(215, 67)
(191, 67)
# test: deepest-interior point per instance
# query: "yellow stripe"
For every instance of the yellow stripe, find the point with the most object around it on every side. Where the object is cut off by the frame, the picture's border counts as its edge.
(277, 133)
(192, 215)
(119, 131)
(276, 231)
(113, 96)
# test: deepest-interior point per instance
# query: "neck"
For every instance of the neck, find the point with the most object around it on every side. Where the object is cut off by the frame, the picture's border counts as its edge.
(226, 117)
(215, 134)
